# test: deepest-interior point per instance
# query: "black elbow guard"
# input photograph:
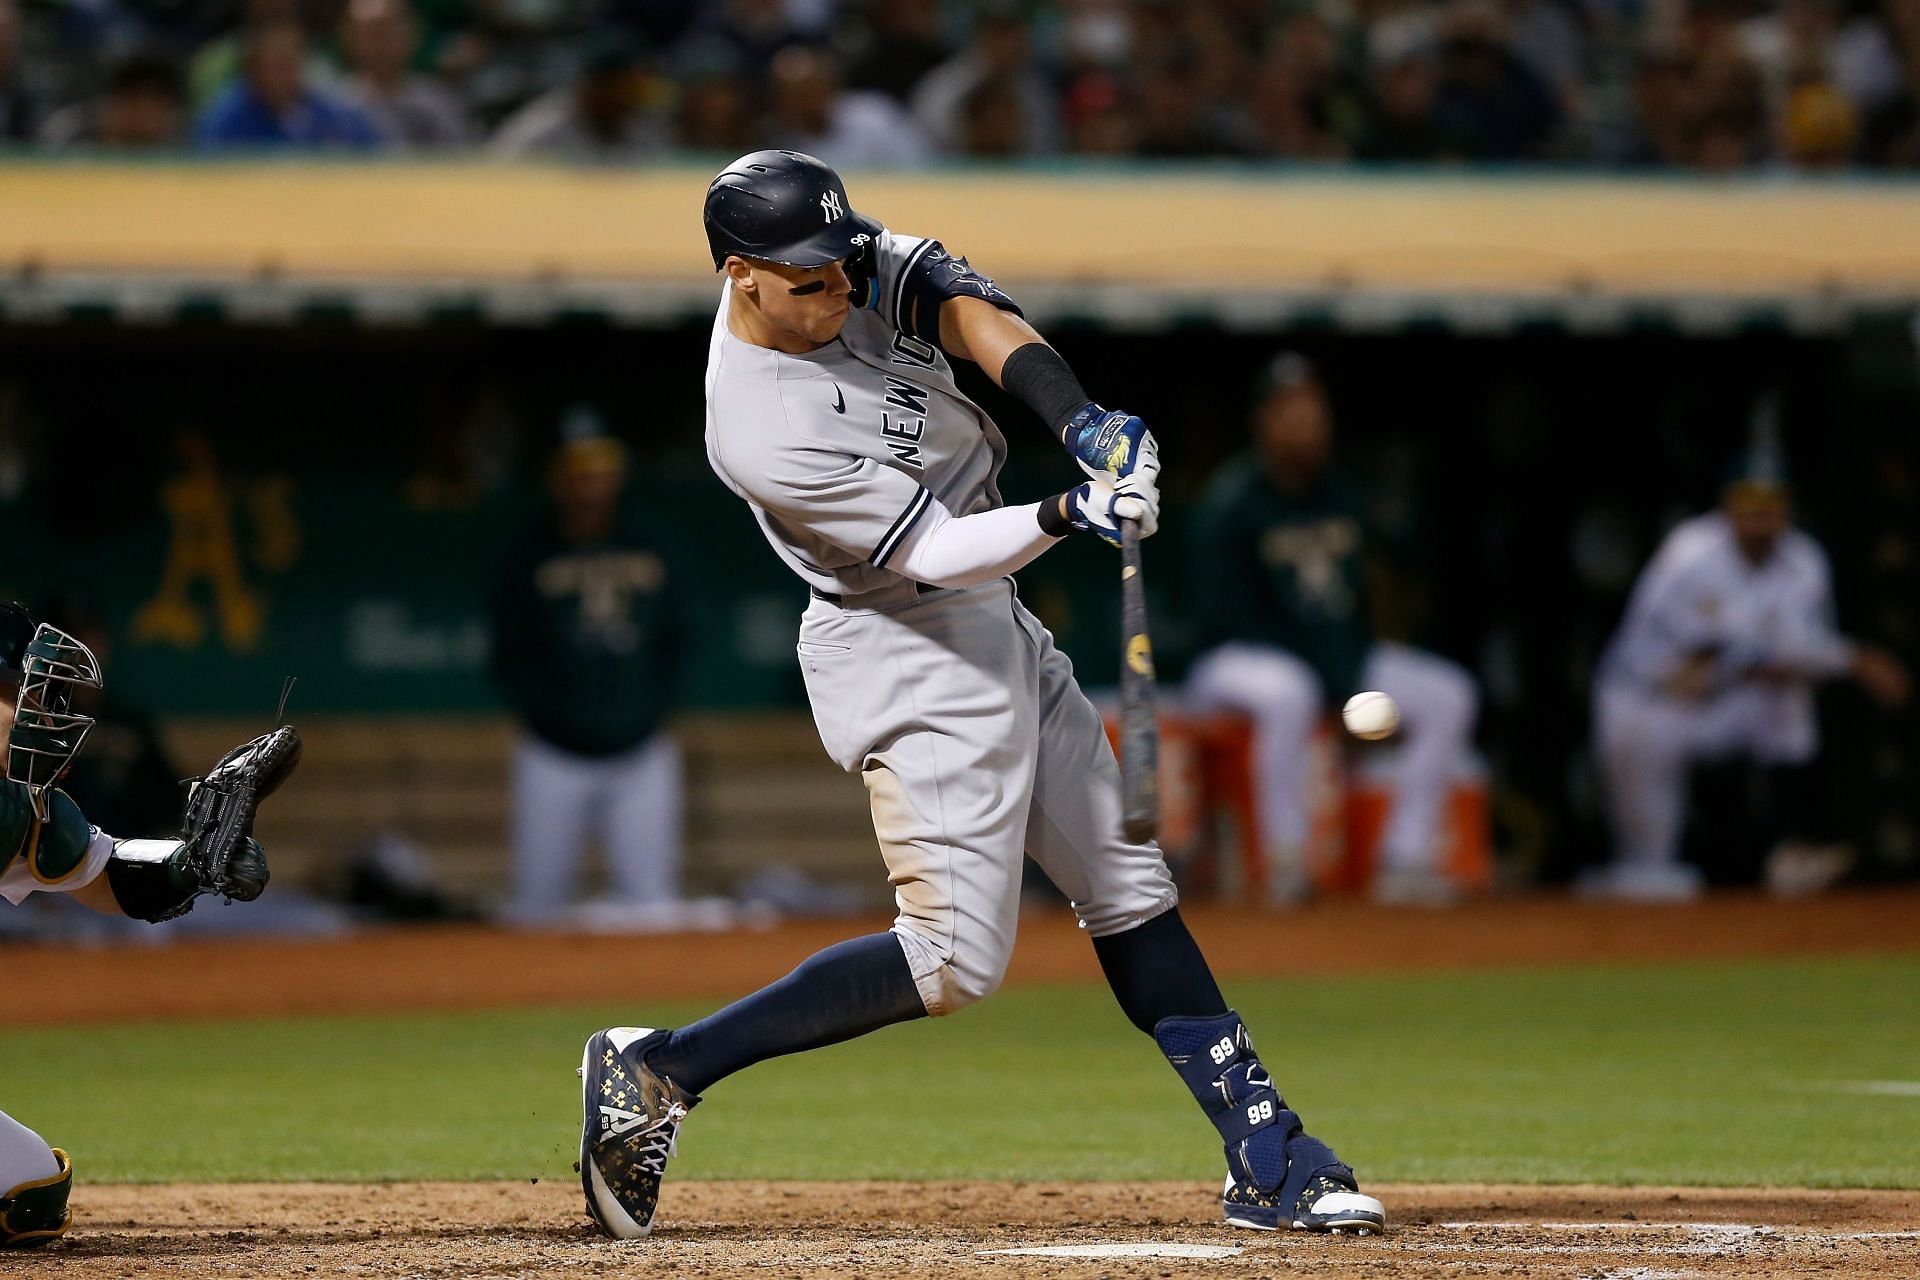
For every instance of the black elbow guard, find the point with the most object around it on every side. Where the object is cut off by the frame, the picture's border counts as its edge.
(148, 880)
(932, 276)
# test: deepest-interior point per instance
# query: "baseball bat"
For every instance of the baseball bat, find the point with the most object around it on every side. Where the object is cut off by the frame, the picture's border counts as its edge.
(1139, 725)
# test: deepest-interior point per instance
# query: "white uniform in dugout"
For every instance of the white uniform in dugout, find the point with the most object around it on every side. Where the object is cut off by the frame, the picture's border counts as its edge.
(953, 705)
(1717, 657)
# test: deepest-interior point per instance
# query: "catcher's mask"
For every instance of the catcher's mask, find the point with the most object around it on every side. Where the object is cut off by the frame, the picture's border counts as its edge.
(47, 732)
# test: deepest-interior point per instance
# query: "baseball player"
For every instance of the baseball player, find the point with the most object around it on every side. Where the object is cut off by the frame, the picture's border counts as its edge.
(589, 647)
(1280, 546)
(832, 411)
(1728, 630)
(46, 846)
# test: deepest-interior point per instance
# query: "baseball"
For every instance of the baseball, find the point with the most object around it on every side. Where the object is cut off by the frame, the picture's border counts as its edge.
(1371, 715)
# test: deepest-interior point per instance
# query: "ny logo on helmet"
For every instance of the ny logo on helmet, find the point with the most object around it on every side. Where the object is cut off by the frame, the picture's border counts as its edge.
(830, 206)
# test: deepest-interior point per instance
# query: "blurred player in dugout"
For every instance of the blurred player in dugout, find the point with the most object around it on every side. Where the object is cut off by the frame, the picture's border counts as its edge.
(1726, 634)
(1281, 559)
(589, 644)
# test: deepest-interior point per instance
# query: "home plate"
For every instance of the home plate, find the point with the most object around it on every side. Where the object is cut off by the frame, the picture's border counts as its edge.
(1147, 1250)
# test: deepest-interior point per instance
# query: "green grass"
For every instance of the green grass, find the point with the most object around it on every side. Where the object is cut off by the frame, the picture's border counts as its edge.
(1704, 1074)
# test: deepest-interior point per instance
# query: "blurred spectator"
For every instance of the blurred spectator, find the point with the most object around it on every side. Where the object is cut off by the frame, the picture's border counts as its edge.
(1100, 116)
(1794, 52)
(1728, 120)
(1096, 35)
(1173, 122)
(451, 42)
(589, 642)
(1791, 45)
(993, 121)
(601, 117)
(1892, 136)
(19, 113)
(1305, 105)
(1664, 126)
(509, 58)
(216, 62)
(1488, 98)
(891, 45)
(1549, 40)
(848, 129)
(755, 31)
(1400, 121)
(378, 39)
(124, 780)
(1819, 127)
(715, 110)
(1280, 569)
(1890, 99)
(1001, 47)
(1395, 29)
(144, 105)
(659, 24)
(274, 104)
(1730, 125)
(1726, 634)
(1873, 51)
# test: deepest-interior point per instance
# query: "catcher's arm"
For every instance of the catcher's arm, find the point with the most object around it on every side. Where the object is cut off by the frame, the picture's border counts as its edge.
(158, 880)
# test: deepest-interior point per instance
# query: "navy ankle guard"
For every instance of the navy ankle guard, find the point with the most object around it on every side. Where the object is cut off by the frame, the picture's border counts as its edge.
(1268, 1150)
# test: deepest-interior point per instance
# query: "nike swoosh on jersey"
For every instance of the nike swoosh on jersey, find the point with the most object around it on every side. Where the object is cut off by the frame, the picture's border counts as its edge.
(839, 400)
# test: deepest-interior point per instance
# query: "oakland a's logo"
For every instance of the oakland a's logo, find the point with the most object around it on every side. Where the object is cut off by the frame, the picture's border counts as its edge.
(830, 206)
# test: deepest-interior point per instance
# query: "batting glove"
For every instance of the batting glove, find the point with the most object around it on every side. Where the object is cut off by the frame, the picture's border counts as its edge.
(1099, 507)
(1111, 442)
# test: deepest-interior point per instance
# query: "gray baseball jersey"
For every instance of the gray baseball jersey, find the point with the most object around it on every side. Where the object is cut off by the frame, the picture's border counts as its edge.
(954, 707)
(838, 450)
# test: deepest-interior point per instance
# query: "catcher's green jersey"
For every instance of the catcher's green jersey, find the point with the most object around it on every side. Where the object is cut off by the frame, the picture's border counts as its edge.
(1284, 569)
(58, 855)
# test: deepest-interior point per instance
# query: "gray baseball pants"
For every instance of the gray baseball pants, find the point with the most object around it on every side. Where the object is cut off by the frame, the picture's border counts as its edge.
(975, 745)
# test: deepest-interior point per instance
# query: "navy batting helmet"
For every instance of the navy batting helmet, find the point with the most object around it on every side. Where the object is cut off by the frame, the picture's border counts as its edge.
(785, 207)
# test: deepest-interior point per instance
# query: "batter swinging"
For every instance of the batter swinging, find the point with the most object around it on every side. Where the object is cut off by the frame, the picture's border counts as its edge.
(832, 410)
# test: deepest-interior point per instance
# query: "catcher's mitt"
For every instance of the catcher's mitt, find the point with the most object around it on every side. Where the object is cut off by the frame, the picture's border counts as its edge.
(218, 830)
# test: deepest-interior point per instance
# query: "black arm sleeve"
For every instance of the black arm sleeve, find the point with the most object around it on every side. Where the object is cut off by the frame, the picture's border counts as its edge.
(932, 276)
(1039, 378)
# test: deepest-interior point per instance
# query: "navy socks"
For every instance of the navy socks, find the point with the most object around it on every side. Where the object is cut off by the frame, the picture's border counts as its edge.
(847, 990)
(1157, 972)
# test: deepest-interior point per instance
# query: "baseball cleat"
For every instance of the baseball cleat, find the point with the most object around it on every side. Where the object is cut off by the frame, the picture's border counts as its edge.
(1327, 1204)
(629, 1122)
(1278, 1175)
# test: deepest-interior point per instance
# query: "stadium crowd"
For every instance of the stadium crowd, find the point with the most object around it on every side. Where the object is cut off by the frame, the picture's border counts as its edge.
(1705, 85)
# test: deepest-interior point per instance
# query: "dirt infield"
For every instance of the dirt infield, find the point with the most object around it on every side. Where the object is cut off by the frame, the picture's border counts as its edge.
(430, 1230)
(471, 967)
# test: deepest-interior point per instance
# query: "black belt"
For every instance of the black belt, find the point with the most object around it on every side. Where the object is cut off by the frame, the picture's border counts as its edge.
(835, 598)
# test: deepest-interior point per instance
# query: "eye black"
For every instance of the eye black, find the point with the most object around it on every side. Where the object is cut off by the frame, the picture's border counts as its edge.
(812, 286)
